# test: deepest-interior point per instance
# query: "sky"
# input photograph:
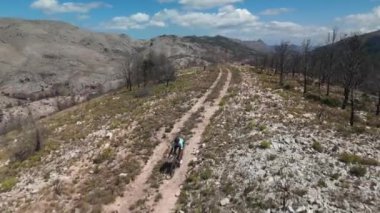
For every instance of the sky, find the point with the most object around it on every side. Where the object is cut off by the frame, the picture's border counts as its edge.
(270, 20)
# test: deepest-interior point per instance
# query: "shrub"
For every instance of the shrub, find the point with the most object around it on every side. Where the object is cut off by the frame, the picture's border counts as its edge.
(322, 183)
(346, 157)
(355, 159)
(300, 192)
(105, 155)
(158, 197)
(358, 129)
(331, 102)
(369, 162)
(288, 86)
(142, 92)
(261, 127)
(317, 146)
(335, 176)
(312, 96)
(265, 145)
(206, 174)
(358, 171)
(271, 157)
(8, 184)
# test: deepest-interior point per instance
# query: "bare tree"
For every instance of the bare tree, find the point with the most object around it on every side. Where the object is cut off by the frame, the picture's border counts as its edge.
(295, 62)
(378, 103)
(282, 53)
(127, 70)
(32, 140)
(352, 64)
(168, 70)
(372, 83)
(306, 46)
(147, 67)
(153, 67)
(331, 40)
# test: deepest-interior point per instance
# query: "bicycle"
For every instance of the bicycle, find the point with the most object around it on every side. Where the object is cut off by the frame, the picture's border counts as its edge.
(171, 164)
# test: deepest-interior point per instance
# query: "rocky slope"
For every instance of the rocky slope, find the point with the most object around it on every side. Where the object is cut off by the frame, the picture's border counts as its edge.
(41, 60)
(267, 151)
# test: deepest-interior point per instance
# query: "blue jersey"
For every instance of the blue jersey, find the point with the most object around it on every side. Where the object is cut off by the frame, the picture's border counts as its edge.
(181, 143)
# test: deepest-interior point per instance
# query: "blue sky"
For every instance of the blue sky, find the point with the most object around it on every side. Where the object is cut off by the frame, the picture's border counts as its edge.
(270, 20)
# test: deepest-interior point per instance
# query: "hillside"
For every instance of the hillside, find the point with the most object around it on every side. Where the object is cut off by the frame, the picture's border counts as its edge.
(43, 60)
(258, 45)
(372, 42)
(252, 147)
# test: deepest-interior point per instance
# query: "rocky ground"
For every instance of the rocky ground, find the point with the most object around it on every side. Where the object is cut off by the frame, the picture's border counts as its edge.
(91, 151)
(41, 60)
(266, 149)
(268, 152)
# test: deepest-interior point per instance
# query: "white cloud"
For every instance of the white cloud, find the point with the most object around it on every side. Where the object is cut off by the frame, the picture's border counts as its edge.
(135, 21)
(276, 11)
(140, 17)
(227, 20)
(53, 6)
(226, 17)
(202, 4)
(362, 22)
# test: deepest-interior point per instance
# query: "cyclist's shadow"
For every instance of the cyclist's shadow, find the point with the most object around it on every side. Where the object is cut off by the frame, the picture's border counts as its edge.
(168, 167)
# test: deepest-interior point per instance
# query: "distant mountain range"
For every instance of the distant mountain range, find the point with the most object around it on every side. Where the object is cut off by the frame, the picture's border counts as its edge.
(372, 42)
(37, 55)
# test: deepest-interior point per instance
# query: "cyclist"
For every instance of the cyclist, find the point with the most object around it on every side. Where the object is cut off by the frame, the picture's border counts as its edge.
(178, 146)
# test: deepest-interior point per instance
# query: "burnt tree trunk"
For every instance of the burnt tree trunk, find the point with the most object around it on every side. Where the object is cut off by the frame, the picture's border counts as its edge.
(293, 71)
(378, 105)
(282, 76)
(327, 86)
(345, 100)
(352, 117)
(304, 82)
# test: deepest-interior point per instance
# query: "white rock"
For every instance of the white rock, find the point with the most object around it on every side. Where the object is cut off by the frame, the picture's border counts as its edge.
(123, 175)
(225, 201)
(301, 209)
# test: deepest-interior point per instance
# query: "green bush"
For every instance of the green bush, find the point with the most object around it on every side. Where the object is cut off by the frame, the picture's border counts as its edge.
(317, 146)
(265, 145)
(105, 155)
(346, 157)
(143, 92)
(8, 184)
(322, 183)
(312, 96)
(369, 162)
(288, 86)
(358, 171)
(206, 174)
(271, 157)
(331, 102)
(355, 159)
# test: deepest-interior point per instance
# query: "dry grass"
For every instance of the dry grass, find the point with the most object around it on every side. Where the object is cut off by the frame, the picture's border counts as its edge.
(215, 93)
(114, 111)
(201, 179)
(327, 108)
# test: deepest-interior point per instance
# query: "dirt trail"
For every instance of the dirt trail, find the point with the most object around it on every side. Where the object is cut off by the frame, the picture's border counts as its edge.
(170, 188)
(136, 190)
